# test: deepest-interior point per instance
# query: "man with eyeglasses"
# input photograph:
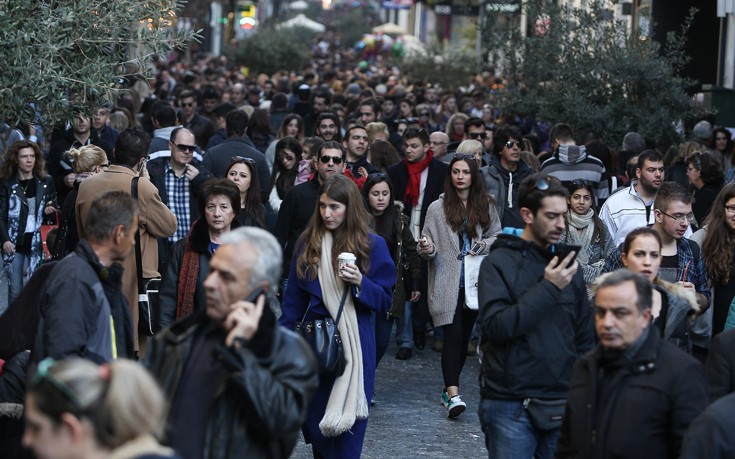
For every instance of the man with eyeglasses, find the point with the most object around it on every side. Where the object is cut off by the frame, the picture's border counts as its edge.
(681, 258)
(200, 125)
(504, 174)
(299, 203)
(571, 161)
(178, 179)
(156, 220)
(438, 142)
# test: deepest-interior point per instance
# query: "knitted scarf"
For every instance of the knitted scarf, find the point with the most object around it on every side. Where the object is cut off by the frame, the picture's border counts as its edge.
(188, 276)
(413, 188)
(586, 224)
(347, 401)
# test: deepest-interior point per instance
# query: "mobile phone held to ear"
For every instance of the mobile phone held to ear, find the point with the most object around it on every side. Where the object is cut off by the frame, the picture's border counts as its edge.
(562, 251)
(253, 297)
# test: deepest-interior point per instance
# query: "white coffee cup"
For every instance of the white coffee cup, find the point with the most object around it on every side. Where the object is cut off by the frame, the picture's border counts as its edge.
(346, 257)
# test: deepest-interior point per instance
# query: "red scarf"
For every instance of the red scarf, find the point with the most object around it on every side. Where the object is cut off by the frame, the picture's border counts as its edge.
(188, 276)
(413, 188)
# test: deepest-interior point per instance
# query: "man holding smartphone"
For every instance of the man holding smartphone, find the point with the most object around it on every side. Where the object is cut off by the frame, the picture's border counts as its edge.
(535, 321)
(238, 383)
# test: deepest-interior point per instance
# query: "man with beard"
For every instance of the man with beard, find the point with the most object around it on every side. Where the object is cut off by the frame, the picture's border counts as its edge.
(504, 175)
(535, 322)
(327, 127)
(356, 143)
(632, 207)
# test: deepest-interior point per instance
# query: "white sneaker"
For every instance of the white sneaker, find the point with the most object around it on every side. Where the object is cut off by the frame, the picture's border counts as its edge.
(455, 407)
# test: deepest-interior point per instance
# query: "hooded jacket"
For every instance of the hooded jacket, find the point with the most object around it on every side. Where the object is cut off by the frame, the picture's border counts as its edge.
(532, 332)
(501, 182)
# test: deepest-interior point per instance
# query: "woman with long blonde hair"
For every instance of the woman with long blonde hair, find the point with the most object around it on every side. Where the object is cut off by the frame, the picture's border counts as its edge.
(337, 417)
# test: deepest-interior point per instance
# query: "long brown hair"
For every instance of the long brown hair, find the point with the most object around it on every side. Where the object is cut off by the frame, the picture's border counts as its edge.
(478, 202)
(719, 243)
(352, 236)
(10, 166)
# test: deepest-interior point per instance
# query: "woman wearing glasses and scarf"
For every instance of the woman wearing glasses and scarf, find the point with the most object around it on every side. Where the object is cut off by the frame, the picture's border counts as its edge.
(461, 223)
(337, 416)
(585, 229)
(75, 408)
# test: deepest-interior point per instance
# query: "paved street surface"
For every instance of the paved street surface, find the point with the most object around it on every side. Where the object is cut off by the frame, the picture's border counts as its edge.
(408, 420)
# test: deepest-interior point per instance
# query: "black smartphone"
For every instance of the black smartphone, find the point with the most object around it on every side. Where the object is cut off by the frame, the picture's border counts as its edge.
(563, 251)
(476, 248)
(253, 297)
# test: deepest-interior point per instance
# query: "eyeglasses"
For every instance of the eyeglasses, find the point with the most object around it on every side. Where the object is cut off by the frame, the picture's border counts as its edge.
(463, 156)
(325, 159)
(513, 143)
(189, 104)
(242, 159)
(105, 165)
(424, 114)
(378, 175)
(432, 142)
(477, 135)
(579, 183)
(680, 218)
(43, 374)
(182, 147)
(730, 209)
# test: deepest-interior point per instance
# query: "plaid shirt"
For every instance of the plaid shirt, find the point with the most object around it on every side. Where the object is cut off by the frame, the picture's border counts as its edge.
(695, 270)
(177, 189)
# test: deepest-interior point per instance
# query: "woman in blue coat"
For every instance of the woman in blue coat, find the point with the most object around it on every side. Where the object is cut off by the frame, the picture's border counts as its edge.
(337, 418)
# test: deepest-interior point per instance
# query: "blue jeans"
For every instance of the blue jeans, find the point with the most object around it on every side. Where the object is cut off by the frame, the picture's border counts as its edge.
(15, 275)
(509, 433)
(404, 328)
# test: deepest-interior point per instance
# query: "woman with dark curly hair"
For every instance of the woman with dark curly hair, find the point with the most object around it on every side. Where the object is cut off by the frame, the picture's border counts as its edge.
(722, 145)
(706, 179)
(26, 194)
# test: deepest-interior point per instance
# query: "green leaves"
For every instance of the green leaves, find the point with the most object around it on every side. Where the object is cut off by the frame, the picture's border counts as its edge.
(64, 56)
(582, 67)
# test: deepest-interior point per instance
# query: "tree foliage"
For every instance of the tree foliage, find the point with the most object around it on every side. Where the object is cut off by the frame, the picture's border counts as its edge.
(66, 56)
(269, 50)
(449, 68)
(583, 67)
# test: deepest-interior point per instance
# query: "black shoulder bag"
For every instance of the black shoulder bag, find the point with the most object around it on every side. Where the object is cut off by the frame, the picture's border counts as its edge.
(323, 337)
(149, 314)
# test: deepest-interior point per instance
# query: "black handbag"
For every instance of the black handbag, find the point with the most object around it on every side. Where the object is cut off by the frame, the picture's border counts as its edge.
(149, 311)
(545, 414)
(323, 337)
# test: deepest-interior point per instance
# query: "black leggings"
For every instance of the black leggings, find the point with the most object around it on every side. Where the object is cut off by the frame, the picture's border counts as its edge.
(456, 337)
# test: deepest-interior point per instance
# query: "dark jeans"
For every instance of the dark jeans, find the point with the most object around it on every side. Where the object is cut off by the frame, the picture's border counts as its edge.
(509, 433)
(456, 336)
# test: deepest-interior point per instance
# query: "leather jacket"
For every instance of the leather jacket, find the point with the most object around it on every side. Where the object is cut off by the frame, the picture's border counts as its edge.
(261, 399)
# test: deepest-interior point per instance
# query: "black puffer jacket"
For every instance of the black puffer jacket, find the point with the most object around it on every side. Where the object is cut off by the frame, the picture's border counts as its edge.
(262, 397)
(643, 409)
(532, 332)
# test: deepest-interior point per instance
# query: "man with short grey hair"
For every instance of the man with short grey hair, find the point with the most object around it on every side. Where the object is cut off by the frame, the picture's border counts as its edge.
(236, 380)
(635, 394)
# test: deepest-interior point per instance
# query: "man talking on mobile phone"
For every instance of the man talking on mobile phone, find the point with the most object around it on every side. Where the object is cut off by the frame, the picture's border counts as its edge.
(238, 384)
(535, 321)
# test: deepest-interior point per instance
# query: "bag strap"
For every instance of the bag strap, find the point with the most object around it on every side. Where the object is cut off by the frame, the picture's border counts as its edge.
(138, 255)
(339, 313)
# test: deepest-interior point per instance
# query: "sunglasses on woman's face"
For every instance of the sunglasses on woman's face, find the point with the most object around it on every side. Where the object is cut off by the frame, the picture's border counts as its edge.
(242, 159)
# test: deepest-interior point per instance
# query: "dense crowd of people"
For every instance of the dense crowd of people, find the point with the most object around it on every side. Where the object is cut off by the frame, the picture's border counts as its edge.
(595, 282)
